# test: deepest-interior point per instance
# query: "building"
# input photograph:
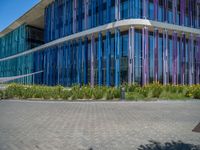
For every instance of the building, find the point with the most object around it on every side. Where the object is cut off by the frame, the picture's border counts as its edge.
(104, 42)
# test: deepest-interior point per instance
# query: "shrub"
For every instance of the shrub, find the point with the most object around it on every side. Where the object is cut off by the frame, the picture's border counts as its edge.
(65, 94)
(1, 94)
(98, 93)
(132, 87)
(133, 96)
(109, 94)
(116, 93)
(143, 91)
(87, 92)
(156, 89)
(14, 91)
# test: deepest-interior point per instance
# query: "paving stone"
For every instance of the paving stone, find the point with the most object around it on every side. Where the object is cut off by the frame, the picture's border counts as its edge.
(28, 125)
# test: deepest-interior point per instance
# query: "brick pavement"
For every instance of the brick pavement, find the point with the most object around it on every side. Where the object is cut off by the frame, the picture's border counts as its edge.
(95, 125)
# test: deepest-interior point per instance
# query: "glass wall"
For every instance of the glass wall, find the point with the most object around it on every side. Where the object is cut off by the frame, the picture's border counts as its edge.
(21, 39)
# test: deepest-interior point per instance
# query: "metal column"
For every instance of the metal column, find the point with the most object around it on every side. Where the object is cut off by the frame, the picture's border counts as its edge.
(174, 61)
(85, 70)
(131, 56)
(100, 59)
(145, 56)
(117, 57)
(79, 68)
(92, 60)
(165, 58)
(182, 54)
(156, 34)
(108, 57)
(191, 59)
(198, 61)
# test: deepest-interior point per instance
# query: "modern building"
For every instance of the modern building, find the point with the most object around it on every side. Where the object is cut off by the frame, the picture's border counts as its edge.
(104, 42)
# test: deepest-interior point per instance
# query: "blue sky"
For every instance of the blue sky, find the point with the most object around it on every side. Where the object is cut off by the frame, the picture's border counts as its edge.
(10, 10)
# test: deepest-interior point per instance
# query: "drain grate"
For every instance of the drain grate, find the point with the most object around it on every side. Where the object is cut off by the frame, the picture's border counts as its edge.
(197, 128)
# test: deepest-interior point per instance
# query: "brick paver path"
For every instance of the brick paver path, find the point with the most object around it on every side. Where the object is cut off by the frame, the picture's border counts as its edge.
(95, 125)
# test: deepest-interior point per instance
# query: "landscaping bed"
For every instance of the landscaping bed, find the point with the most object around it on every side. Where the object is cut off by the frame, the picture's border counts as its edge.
(153, 91)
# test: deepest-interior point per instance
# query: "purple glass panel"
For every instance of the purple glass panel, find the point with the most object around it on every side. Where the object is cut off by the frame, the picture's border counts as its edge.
(183, 41)
(174, 61)
(74, 15)
(198, 13)
(131, 56)
(155, 9)
(155, 54)
(191, 59)
(174, 3)
(165, 57)
(182, 18)
(198, 61)
(92, 60)
(86, 14)
(145, 56)
(145, 8)
(165, 10)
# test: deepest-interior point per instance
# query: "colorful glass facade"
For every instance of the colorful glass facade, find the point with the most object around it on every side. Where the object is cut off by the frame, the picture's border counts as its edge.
(96, 50)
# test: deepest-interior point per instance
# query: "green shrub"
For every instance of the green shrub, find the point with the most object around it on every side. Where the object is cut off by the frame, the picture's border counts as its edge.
(133, 96)
(14, 91)
(132, 87)
(87, 92)
(1, 94)
(196, 92)
(98, 93)
(109, 94)
(155, 89)
(116, 93)
(142, 91)
(133, 92)
(172, 96)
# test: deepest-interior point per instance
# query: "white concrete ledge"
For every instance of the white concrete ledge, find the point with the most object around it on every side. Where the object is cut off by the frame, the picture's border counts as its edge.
(122, 24)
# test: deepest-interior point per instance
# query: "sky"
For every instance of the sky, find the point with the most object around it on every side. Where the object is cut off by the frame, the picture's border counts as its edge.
(11, 10)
